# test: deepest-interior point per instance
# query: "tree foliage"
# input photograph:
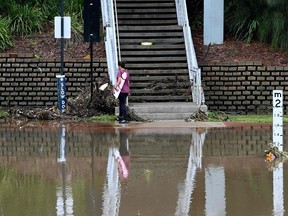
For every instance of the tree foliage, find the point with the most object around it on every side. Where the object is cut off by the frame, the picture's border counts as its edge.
(262, 20)
(27, 17)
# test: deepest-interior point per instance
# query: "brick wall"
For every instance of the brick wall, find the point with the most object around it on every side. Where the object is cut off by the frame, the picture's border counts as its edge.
(28, 81)
(242, 87)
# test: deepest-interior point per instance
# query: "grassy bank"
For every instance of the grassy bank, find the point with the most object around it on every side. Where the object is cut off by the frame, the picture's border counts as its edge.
(254, 118)
(213, 117)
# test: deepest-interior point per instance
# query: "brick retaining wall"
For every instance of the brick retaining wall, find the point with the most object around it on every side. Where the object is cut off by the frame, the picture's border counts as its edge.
(28, 81)
(242, 87)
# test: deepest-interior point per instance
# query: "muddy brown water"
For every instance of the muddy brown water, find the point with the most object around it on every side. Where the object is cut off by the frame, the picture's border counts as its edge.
(89, 169)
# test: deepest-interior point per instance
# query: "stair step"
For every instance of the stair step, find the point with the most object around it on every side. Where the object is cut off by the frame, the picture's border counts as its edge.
(158, 72)
(147, 22)
(143, 85)
(155, 59)
(148, 35)
(154, 53)
(156, 41)
(160, 78)
(163, 107)
(164, 110)
(146, 11)
(146, 92)
(147, 16)
(157, 65)
(147, 1)
(138, 47)
(159, 98)
(150, 28)
(145, 5)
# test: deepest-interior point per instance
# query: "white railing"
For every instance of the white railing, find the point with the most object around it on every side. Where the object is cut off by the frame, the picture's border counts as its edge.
(194, 71)
(108, 20)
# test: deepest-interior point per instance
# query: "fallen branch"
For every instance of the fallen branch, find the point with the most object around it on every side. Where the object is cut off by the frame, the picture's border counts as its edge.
(198, 115)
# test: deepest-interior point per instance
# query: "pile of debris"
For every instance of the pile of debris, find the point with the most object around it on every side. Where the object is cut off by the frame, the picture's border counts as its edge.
(274, 156)
(82, 106)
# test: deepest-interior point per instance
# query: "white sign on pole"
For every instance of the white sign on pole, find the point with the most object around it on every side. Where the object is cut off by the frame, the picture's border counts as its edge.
(278, 119)
(67, 27)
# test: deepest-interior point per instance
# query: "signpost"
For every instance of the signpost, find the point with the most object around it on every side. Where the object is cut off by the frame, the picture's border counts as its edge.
(62, 28)
(61, 86)
(91, 31)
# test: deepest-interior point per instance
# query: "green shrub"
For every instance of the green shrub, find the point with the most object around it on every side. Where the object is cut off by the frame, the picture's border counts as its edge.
(25, 19)
(76, 27)
(5, 37)
(49, 8)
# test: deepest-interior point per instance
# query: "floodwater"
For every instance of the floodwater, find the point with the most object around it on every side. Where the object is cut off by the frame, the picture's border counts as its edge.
(86, 169)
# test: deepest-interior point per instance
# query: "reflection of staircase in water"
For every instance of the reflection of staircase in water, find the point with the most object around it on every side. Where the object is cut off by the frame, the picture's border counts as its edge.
(160, 84)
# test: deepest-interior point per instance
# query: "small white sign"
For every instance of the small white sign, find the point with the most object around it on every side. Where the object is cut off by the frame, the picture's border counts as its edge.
(67, 27)
(278, 119)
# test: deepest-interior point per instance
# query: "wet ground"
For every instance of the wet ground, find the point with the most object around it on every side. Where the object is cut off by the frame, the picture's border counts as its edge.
(151, 169)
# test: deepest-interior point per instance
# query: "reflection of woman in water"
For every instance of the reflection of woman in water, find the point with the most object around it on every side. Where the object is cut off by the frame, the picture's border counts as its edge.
(124, 159)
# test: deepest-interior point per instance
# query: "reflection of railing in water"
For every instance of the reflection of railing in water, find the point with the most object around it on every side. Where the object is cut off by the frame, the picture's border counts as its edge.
(117, 170)
(194, 163)
(112, 188)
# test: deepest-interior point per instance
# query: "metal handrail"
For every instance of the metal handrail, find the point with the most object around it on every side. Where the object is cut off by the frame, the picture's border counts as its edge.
(108, 20)
(117, 30)
(194, 71)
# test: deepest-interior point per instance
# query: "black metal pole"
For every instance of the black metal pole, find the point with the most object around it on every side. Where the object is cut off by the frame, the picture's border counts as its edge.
(62, 36)
(91, 51)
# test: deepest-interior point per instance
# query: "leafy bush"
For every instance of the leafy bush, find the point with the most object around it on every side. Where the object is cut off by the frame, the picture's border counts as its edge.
(242, 18)
(265, 21)
(5, 37)
(273, 27)
(25, 19)
(74, 10)
(49, 8)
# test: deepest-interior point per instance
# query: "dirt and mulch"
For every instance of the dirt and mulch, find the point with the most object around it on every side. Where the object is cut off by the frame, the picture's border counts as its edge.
(233, 50)
(46, 46)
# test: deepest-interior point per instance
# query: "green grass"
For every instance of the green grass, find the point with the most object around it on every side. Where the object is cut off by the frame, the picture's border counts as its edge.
(3, 113)
(220, 116)
(254, 118)
(103, 118)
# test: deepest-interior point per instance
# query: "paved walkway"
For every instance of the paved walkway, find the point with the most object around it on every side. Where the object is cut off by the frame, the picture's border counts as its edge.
(170, 124)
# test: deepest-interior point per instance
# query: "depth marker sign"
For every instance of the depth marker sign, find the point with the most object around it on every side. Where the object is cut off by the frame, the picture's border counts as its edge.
(278, 119)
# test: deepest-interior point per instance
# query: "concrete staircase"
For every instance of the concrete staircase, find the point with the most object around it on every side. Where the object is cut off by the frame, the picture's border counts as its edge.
(160, 84)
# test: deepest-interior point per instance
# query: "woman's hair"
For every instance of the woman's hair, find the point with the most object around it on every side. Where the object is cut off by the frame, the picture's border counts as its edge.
(121, 64)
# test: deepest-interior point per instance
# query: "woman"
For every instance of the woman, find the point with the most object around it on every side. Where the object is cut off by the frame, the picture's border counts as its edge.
(123, 75)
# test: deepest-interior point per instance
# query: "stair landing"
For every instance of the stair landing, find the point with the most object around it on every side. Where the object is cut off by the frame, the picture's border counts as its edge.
(164, 110)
